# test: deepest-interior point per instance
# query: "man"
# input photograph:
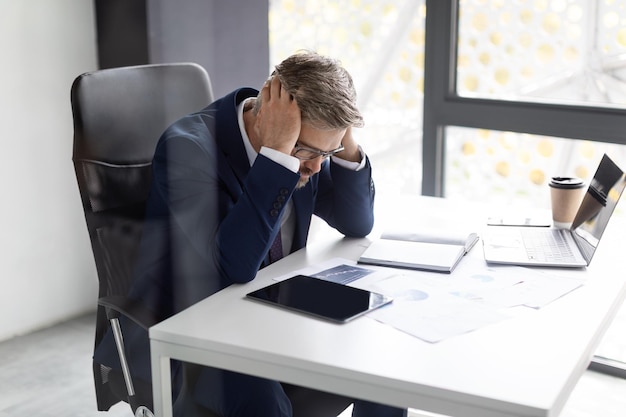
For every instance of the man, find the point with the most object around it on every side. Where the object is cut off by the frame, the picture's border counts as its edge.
(232, 183)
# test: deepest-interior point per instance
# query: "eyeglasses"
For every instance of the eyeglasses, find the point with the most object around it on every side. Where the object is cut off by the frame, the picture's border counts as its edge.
(306, 154)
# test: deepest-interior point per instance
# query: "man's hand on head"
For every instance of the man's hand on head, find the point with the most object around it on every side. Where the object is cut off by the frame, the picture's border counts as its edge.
(350, 147)
(278, 121)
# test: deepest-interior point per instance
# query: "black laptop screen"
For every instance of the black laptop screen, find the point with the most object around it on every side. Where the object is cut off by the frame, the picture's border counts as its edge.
(597, 206)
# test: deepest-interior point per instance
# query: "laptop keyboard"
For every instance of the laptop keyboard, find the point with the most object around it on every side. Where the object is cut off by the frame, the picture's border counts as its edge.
(547, 245)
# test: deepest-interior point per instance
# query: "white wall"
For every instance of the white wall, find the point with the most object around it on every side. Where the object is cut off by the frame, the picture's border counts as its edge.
(47, 272)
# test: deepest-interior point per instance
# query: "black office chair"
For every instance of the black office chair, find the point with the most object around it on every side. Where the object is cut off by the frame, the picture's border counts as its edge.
(119, 115)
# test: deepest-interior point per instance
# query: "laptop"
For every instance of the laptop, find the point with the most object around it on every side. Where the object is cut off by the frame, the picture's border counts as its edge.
(573, 247)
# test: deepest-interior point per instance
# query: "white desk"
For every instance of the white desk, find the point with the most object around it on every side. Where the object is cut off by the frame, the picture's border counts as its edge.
(525, 366)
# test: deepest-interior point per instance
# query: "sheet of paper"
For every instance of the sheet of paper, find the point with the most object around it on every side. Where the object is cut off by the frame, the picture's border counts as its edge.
(428, 313)
(434, 306)
(506, 285)
(535, 291)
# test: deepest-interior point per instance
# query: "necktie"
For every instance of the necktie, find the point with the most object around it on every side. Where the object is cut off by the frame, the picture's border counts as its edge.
(276, 250)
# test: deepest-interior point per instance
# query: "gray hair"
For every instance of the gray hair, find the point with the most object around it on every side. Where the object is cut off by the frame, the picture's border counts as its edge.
(323, 89)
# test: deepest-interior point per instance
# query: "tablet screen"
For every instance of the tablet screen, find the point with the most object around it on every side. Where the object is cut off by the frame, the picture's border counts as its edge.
(320, 298)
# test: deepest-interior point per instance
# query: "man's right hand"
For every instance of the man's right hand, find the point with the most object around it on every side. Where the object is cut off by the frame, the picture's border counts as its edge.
(278, 120)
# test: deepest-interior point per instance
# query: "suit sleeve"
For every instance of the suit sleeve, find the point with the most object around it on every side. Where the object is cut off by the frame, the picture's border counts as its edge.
(345, 199)
(228, 225)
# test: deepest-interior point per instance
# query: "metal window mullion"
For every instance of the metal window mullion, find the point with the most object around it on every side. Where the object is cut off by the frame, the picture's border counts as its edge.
(575, 122)
(439, 83)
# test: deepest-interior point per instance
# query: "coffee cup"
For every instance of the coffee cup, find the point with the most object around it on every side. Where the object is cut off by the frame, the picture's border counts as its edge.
(566, 194)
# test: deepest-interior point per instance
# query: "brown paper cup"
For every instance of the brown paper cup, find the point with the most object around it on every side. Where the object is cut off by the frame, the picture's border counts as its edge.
(566, 193)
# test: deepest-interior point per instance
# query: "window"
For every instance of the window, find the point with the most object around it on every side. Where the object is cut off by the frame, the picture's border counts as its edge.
(483, 82)
(563, 52)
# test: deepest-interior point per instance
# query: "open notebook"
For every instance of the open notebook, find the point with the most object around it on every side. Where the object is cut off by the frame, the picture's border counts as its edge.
(414, 251)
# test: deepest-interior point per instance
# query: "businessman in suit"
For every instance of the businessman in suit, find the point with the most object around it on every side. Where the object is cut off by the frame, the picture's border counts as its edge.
(235, 183)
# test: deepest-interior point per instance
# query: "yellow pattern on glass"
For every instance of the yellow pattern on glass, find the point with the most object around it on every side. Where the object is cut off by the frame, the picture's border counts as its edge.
(571, 54)
(582, 172)
(502, 76)
(495, 38)
(537, 176)
(503, 168)
(545, 53)
(469, 148)
(526, 16)
(480, 22)
(405, 74)
(545, 148)
(621, 37)
(471, 83)
(551, 23)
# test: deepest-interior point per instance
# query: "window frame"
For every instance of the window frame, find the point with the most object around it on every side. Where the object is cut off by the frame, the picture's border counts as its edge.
(443, 107)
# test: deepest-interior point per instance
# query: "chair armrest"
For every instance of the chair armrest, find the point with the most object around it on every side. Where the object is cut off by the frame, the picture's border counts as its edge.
(132, 309)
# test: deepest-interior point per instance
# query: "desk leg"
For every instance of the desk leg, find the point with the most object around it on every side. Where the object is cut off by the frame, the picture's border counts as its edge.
(161, 381)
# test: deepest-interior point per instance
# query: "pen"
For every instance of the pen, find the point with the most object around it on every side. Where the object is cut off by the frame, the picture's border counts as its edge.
(471, 241)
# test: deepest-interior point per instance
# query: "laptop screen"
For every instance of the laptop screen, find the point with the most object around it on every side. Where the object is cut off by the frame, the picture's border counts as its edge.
(597, 206)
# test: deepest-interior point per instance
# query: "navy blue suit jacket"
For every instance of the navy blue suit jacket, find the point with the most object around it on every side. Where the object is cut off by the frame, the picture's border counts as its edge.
(211, 217)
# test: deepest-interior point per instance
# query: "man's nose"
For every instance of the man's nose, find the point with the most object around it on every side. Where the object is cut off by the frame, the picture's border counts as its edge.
(314, 165)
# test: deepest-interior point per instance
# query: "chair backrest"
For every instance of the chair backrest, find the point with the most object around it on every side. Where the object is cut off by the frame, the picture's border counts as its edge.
(119, 114)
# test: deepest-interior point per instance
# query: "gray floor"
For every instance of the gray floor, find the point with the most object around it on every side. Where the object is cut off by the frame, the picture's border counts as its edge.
(48, 374)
